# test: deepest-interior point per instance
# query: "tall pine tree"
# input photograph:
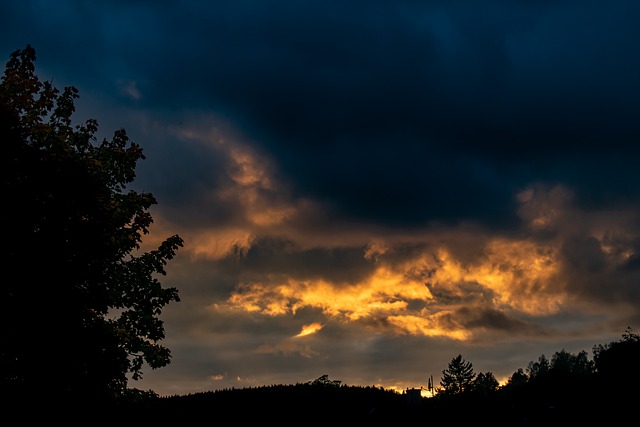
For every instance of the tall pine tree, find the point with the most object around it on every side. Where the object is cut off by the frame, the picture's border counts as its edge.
(458, 377)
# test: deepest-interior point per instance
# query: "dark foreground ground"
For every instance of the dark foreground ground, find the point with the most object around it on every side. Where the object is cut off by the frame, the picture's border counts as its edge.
(580, 404)
(297, 405)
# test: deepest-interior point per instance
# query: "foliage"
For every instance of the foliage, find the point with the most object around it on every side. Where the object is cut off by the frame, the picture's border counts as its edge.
(485, 383)
(458, 377)
(617, 363)
(565, 363)
(517, 379)
(324, 381)
(540, 368)
(80, 310)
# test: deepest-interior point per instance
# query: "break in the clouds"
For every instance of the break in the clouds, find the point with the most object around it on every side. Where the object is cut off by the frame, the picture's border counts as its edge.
(366, 190)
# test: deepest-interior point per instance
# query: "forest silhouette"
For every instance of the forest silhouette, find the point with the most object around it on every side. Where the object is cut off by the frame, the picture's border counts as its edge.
(566, 389)
(71, 258)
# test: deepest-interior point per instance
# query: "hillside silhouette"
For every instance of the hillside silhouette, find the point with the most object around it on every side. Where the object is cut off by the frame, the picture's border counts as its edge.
(568, 389)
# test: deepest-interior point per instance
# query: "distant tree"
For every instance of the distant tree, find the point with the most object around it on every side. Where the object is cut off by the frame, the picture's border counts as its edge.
(618, 363)
(458, 377)
(79, 300)
(564, 363)
(517, 379)
(540, 368)
(485, 383)
(324, 381)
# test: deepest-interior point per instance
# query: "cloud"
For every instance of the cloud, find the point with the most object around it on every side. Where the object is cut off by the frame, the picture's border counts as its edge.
(514, 276)
(309, 329)
(129, 89)
(288, 348)
(406, 287)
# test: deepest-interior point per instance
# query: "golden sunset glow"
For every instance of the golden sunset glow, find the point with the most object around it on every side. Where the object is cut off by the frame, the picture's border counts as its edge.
(517, 273)
(427, 325)
(420, 296)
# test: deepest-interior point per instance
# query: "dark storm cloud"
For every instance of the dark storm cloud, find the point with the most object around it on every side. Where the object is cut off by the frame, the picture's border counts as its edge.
(276, 257)
(361, 104)
(461, 293)
(492, 319)
(600, 277)
(402, 113)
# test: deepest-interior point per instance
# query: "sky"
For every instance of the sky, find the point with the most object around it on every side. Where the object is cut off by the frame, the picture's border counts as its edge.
(367, 189)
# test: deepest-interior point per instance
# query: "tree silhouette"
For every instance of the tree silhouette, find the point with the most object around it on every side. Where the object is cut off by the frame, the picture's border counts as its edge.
(617, 363)
(517, 379)
(324, 381)
(458, 377)
(485, 383)
(80, 300)
(540, 368)
(565, 363)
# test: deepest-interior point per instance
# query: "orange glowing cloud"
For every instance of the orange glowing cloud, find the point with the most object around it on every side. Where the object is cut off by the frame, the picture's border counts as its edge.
(421, 295)
(309, 329)
(217, 244)
(386, 291)
(427, 325)
(515, 274)
(254, 189)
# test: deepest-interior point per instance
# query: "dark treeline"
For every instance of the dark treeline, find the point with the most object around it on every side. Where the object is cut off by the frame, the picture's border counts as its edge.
(566, 389)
